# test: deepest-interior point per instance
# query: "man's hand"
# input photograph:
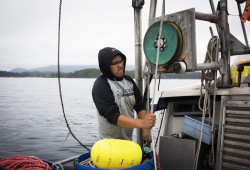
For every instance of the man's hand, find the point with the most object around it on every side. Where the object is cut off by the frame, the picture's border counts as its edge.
(149, 120)
(146, 135)
(146, 121)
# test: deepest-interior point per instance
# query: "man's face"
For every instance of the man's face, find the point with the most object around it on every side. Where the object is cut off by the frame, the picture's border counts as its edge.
(117, 66)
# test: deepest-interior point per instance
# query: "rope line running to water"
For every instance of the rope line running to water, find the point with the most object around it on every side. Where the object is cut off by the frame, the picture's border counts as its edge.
(59, 82)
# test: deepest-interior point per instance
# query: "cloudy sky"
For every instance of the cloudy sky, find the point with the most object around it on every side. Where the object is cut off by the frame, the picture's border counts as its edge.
(28, 29)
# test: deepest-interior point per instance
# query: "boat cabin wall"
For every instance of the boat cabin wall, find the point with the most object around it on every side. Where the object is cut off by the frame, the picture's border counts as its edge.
(177, 108)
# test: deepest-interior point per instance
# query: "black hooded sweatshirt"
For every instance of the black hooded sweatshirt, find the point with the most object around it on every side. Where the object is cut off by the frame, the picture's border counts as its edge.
(113, 97)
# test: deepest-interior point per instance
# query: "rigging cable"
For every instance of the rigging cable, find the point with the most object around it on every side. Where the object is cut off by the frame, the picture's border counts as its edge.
(59, 82)
(155, 77)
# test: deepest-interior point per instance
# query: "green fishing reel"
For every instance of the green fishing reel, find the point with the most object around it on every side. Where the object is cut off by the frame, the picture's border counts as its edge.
(169, 43)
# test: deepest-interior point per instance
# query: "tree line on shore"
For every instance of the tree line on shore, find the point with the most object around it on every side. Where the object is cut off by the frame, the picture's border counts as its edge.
(93, 73)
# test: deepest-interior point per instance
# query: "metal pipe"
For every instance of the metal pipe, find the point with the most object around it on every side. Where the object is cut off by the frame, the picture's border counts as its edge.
(137, 5)
(152, 9)
(240, 51)
(225, 45)
(66, 160)
(212, 6)
(206, 17)
(207, 66)
(214, 12)
(240, 69)
(152, 13)
(242, 25)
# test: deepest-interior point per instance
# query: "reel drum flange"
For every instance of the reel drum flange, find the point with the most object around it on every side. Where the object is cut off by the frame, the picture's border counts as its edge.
(169, 43)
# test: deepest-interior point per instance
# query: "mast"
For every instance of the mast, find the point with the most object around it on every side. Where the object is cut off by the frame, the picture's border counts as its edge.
(152, 10)
(225, 45)
(137, 5)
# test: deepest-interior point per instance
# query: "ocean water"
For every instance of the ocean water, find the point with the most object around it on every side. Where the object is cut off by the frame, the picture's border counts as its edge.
(32, 121)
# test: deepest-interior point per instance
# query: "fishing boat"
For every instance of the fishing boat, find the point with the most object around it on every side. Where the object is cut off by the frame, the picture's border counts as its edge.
(204, 127)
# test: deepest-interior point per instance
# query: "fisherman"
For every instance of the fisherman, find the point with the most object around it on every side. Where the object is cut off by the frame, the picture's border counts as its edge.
(116, 97)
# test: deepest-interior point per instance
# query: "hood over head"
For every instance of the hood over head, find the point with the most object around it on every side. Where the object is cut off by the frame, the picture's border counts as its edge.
(105, 57)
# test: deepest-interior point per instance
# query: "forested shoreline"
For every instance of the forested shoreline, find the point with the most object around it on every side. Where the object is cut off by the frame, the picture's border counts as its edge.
(93, 73)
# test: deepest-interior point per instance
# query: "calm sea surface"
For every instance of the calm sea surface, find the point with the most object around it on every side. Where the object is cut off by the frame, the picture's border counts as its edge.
(32, 121)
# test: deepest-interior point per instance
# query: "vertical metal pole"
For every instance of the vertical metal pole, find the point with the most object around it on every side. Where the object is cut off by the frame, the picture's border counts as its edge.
(137, 5)
(152, 9)
(225, 45)
(243, 25)
(213, 11)
(152, 13)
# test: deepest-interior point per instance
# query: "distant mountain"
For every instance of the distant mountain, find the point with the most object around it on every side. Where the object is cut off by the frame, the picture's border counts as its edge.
(54, 68)
(18, 70)
(87, 71)
(63, 68)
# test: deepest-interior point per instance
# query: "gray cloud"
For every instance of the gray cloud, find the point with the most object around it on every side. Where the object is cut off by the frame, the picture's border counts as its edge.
(29, 30)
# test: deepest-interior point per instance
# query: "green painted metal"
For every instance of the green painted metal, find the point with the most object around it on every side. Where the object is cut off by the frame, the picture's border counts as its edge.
(170, 42)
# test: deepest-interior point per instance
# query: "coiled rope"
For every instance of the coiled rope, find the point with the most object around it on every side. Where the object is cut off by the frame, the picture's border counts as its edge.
(208, 82)
(20, 162)
(59, 82)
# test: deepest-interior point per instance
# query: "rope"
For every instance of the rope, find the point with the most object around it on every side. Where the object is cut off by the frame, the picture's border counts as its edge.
(20, 162)
(88, 162)
(59, 82)
(158, 135)
(208, 76)
(211, 56)
(216, 53)
(58, 164)
(155, 77)
(206, 97)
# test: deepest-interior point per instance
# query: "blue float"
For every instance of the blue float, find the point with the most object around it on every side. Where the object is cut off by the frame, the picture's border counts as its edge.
(54, 167)
(146, 165)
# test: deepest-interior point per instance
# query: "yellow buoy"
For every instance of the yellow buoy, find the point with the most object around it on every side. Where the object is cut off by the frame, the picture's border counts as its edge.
(116, 153)
(240, 60)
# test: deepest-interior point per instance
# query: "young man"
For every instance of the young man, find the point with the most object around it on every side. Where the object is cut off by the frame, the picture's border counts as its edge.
(116, 97)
